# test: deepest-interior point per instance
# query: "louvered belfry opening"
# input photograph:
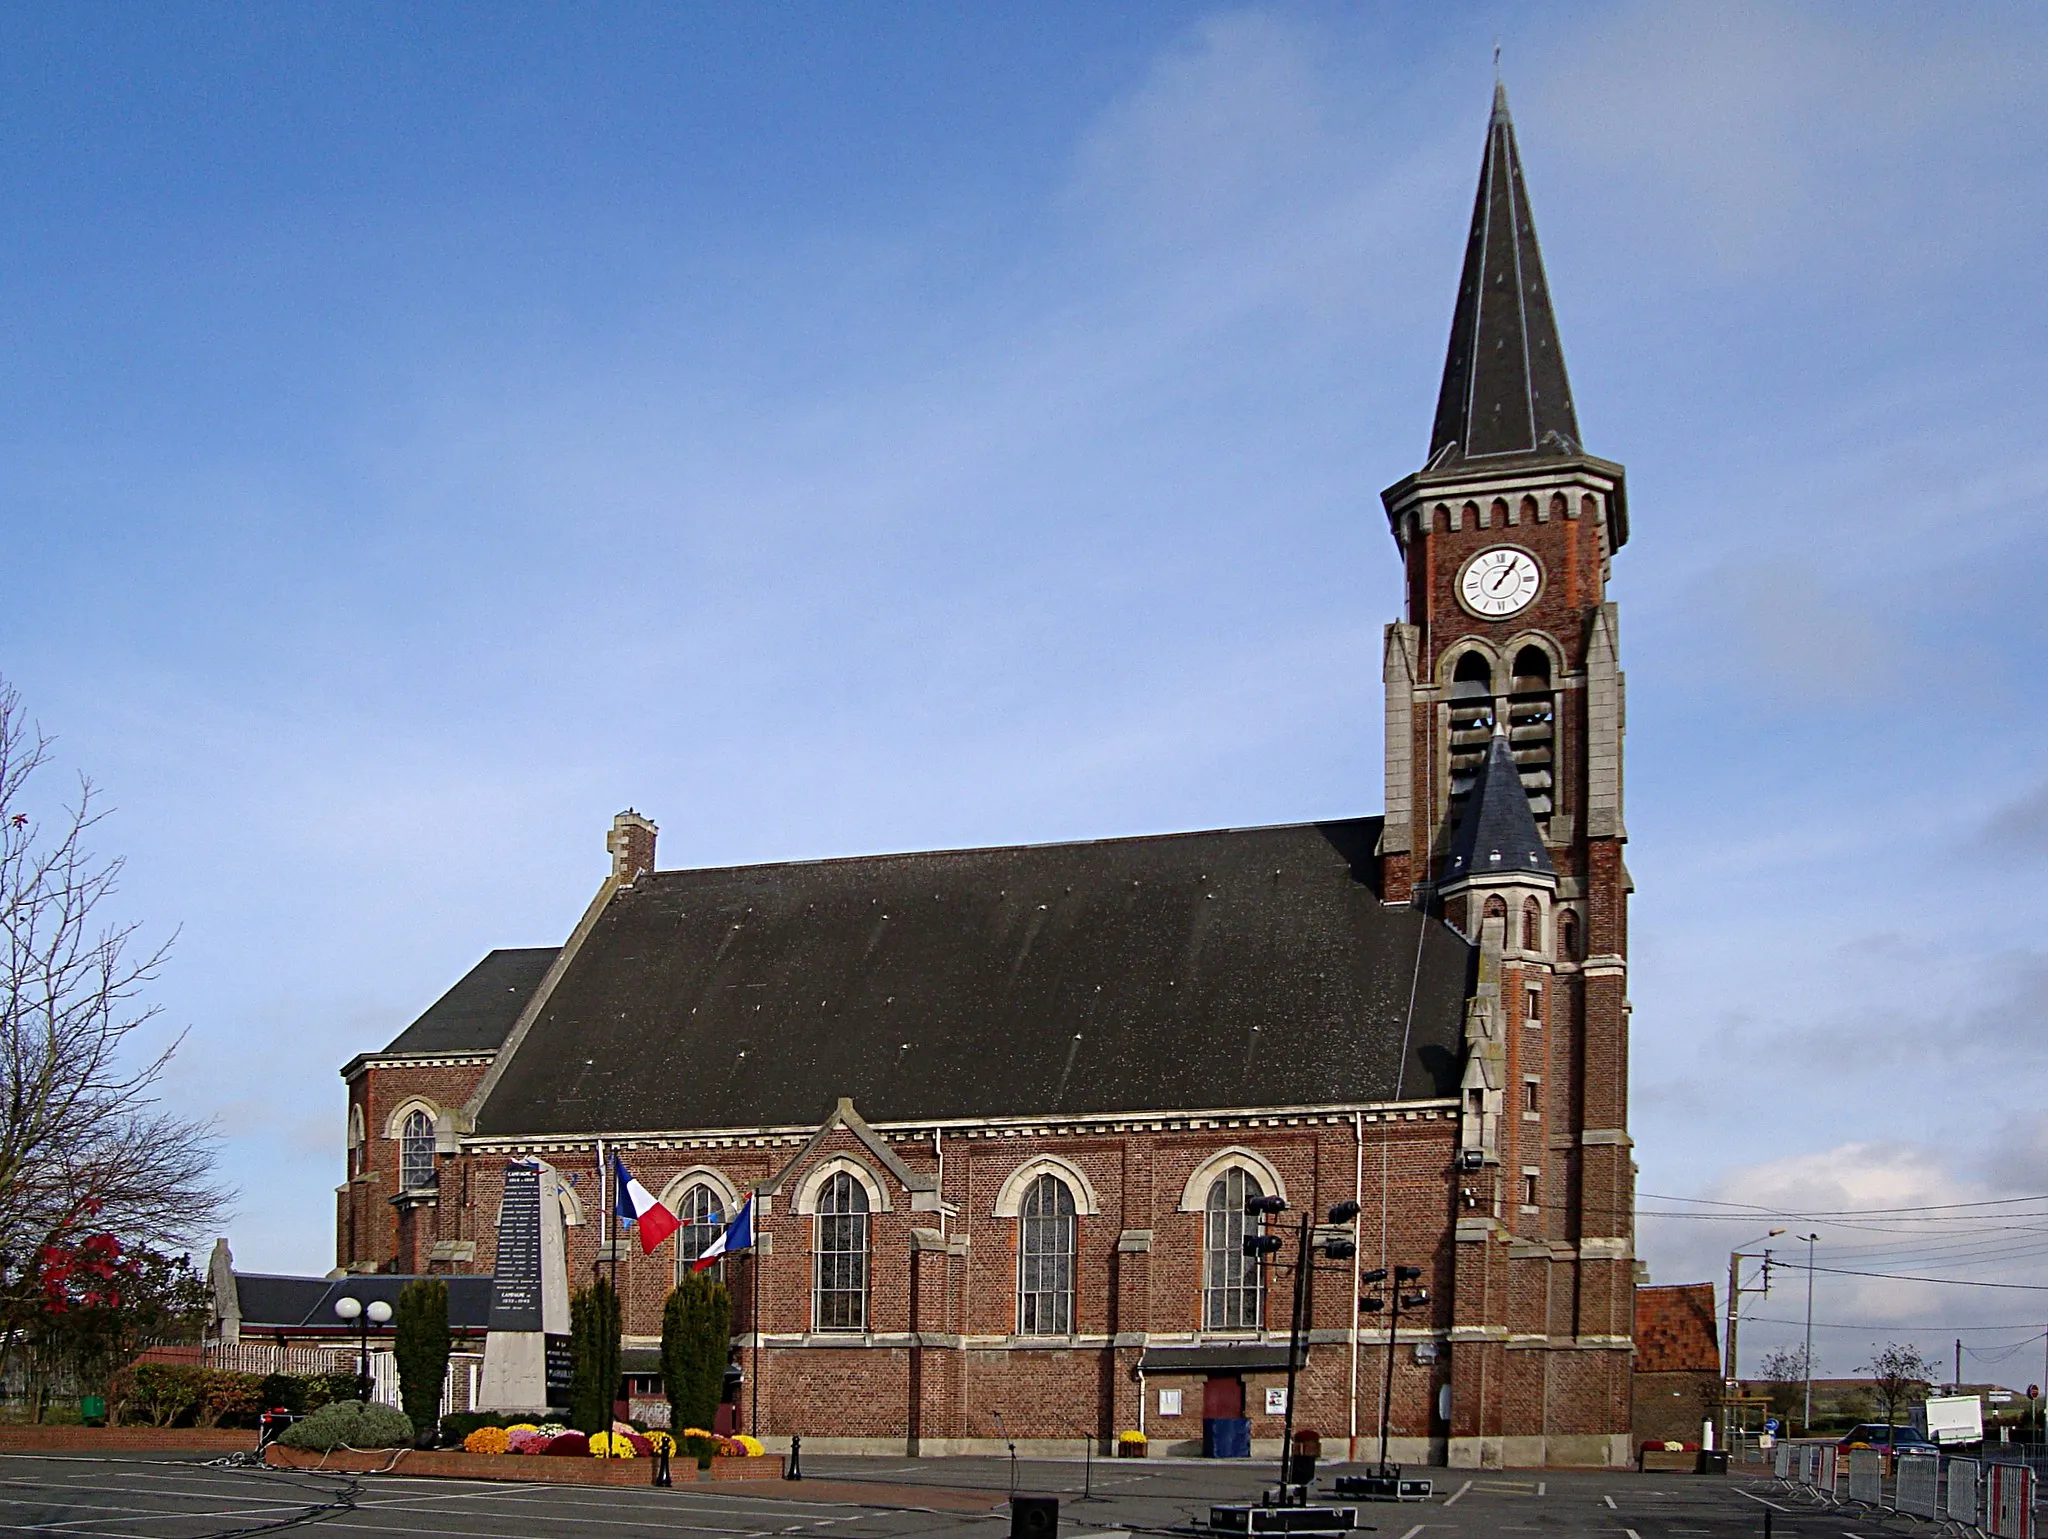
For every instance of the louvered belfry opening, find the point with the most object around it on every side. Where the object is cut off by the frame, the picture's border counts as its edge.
(1471, 703)
(1532, 729)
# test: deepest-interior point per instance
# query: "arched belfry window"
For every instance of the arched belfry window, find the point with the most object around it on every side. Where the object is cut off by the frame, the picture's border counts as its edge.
(1045, 1259)
(1496, 907)
(840, 1279)
(1230, 1278)
(1568, 936)
(1532, 925)
(416, 1153)
(1532, 728)
(702, 1216)
(1471, 707)
(358, 1140)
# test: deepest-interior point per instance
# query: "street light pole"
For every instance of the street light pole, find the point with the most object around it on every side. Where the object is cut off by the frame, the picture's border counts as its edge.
(377, 1312)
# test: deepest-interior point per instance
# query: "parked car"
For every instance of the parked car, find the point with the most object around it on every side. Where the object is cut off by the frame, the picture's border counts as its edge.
(1875, 1434)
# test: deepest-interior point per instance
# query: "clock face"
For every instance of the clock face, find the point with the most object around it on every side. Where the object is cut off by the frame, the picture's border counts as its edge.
(1500, 582)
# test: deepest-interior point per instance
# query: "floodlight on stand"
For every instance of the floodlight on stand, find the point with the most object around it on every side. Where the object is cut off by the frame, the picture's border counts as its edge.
(1407, 1273)
(1339, 1250)
(1256, 1245)
(1377, 1274)
(1372, 1306)
(1344, 1213)
(1413, 1300)
(1264, 1205)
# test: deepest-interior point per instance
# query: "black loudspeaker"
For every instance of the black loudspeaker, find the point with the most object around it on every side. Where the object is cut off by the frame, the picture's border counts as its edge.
(1034, 1517)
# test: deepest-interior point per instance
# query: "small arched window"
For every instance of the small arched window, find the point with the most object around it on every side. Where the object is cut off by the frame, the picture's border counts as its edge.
(1496, 907)
(1568, 936)
(840, 1286)
(1529, 510)
(702, 1216)
(1045, 1259)
(1532, 925)
(1230, 1278)
(416, 1153)
(1558, 506)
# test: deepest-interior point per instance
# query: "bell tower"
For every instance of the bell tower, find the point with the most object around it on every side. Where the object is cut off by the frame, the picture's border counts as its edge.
(1503, 677)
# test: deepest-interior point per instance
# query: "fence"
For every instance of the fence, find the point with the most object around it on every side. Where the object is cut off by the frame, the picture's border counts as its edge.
(1781, 1462)
(1916, 1487)
(1866, 1476)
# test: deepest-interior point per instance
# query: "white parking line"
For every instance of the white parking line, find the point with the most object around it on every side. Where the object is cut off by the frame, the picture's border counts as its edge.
(1412, 1532)
(1610, 1502)
(1632, 1534)
(1457, 1493)
(1540, 1485)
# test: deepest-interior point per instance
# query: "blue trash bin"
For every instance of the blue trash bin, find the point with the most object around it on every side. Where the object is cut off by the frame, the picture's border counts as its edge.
(1226, 1437)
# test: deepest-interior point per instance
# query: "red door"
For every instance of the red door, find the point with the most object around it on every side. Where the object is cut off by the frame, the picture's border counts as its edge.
(1223, 1398)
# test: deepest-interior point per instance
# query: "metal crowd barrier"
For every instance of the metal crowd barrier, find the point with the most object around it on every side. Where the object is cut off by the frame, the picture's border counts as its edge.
(1965, 1486)
(1916, 1487)
(2009, 1502)
(1866, 1476)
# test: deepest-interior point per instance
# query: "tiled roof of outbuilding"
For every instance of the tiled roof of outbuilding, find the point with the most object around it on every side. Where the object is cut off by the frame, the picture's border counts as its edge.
(1244, 967)
(479, 1011)
(1675, 1329)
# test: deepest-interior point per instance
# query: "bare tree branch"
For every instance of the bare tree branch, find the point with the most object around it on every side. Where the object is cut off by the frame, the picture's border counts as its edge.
(84, 1145)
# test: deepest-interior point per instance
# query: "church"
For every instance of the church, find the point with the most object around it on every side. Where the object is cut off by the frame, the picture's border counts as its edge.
(1001, 1110)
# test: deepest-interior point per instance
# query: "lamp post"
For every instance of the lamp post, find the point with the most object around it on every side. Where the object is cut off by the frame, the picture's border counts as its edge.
(1402, 1277)
(1806, 1421)
(377, 1313)
(1261, 1247)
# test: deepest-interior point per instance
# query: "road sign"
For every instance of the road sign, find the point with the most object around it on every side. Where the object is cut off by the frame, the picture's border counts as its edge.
(1770, 1424)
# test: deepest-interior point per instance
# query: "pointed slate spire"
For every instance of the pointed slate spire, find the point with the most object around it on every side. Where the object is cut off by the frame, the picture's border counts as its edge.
(1504, 390)
(1498, 835)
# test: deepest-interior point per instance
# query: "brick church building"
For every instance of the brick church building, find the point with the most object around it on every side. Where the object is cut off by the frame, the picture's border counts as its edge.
(1003, 1108)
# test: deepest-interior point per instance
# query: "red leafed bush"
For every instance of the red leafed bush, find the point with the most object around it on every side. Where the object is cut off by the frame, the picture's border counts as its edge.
(571, 1445)
(641, 1447)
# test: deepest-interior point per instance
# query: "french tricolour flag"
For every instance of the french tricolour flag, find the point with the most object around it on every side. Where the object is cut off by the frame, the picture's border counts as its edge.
(737, 1235)
(636, 1205)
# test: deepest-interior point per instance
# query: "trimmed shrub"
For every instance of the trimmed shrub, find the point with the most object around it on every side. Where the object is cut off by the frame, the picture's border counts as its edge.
(567, 1445)
(611, 1445)
(594, 1350)
(234, 1399)
(162, 1393)
(696, 1340)
(527, 1441)
(350, 1424)
(326, 1388)
(420, 1342)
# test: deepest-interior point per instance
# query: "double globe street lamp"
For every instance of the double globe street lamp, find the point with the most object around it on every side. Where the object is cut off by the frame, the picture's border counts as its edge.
(377, 1312)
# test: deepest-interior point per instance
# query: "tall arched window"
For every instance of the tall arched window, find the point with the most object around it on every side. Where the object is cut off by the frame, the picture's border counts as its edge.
(1568, 936)
(1471, 710)
(1532, 925)
(702, 1216)
(1230, 1278)
(1532, 728)
(840, 1288)
(1045, 1259)
(416, 1152)
(358, 1140)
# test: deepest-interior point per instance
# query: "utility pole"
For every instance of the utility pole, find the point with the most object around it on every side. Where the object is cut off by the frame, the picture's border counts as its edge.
(1806, 1420)
(1959, 1365)
(1733, 1382)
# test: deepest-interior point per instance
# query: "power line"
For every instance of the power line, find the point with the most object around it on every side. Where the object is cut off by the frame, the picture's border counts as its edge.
(1714, 1202)
(1954, 1282)
(1891, 1325)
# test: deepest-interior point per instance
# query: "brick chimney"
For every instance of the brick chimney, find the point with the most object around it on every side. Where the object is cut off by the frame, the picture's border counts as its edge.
(631, 843)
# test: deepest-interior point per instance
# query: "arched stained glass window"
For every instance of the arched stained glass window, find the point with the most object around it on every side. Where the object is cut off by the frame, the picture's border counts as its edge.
(1230, 1278)
(416, 1153)
(702, 1215)
(840, 1287)
(1045, 1259)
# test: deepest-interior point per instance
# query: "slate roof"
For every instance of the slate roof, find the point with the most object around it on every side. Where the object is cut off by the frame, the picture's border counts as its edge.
(1675, 1329)
(1497, 835)
(268, 1302)
(478, 1013)
(1244, 967)
(1504, 389)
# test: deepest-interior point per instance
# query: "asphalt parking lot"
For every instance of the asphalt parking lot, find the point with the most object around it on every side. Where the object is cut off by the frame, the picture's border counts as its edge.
(143, 1498)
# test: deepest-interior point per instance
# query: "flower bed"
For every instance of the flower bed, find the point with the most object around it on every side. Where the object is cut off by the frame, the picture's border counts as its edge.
(585, 1471)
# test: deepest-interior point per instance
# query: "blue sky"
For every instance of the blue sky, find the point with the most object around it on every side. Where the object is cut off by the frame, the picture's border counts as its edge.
(834, 428)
